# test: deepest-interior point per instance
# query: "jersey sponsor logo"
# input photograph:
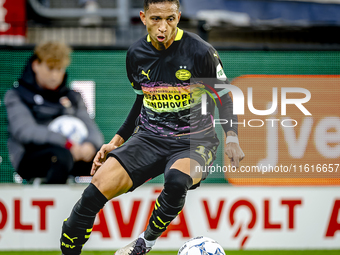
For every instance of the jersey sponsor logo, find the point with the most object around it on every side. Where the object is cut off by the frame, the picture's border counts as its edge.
(215, 54)
(172, 99)
(220, 73)
(183, 74)
(146, 74)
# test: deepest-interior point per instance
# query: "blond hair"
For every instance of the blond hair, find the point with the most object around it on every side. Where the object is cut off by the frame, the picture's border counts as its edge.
(55, 54)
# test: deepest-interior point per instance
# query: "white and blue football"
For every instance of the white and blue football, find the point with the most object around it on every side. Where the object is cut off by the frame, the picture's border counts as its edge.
(201, 245)
(74, 129)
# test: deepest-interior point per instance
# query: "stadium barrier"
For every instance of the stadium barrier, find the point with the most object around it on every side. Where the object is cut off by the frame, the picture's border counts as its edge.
(236, 217)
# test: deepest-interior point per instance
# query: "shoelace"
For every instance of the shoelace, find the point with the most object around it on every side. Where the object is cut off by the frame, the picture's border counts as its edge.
(139, 248)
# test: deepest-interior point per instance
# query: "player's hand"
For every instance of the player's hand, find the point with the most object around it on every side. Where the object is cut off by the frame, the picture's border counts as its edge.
(100, 157)
(234, 153)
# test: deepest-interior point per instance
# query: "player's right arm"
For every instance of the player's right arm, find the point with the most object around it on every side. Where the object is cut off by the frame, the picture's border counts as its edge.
(123, 134)
(100, 157)
(126, 130)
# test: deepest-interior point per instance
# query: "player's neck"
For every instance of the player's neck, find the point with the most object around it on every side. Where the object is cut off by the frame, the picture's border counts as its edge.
(161, 46)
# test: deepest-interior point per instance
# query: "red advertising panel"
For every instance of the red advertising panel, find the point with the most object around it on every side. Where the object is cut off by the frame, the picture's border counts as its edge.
(236, 217)
(12, 21)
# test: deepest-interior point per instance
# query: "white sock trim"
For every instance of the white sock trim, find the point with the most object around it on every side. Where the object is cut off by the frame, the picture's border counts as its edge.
(148, 243)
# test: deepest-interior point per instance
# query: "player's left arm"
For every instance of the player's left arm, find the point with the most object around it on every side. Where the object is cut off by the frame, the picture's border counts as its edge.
(232, 148)
(216, 72)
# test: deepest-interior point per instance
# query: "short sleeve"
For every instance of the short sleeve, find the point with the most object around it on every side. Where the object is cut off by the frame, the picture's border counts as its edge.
(213, 69)
(132, 75)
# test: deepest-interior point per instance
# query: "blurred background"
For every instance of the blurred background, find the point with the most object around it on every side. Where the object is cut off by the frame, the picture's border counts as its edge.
(252, 37)
(239, 23)
(282, 43)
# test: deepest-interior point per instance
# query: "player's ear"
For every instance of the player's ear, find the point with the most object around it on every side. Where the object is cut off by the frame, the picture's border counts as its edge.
(179, 15)
(142, 17)
(35, 66)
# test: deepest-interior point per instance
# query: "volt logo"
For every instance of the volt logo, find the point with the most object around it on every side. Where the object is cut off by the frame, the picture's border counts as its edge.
(238, 102)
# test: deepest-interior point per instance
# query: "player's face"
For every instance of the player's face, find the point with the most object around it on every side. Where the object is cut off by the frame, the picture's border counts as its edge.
(161, 21)
(48, 77)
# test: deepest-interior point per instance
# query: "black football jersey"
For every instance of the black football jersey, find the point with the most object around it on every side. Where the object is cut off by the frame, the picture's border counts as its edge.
(173, 82)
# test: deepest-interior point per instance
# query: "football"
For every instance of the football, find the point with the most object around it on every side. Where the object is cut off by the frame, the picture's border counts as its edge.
(201, 245)
(71, 127)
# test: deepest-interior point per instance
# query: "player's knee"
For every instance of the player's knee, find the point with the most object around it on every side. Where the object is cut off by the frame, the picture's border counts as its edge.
(177, 183)
(91, 202)
(101, 181)
(112, 179)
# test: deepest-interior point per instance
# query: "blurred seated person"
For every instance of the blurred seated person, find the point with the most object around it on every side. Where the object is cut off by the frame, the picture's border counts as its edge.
(90, 6)
(51, 135)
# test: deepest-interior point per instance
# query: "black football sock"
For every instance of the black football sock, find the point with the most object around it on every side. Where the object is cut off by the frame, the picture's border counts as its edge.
(77, 228)
(169, 203)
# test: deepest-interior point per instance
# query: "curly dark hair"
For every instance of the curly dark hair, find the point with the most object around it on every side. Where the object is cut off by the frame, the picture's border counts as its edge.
(148, 2)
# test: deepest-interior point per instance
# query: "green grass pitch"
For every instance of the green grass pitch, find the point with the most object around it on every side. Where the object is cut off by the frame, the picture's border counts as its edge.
(266, 252)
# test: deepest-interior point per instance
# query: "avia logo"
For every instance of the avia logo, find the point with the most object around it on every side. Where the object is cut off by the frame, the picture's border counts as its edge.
(146, 74)
(238, 102)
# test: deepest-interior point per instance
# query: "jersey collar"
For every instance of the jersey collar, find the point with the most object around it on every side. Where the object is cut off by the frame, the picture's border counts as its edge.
(179, 35)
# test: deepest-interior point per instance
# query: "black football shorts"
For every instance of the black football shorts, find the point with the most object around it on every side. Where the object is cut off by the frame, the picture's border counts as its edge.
(146, 155)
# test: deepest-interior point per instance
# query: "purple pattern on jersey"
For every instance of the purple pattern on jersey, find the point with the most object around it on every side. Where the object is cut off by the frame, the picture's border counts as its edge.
(173, 110)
